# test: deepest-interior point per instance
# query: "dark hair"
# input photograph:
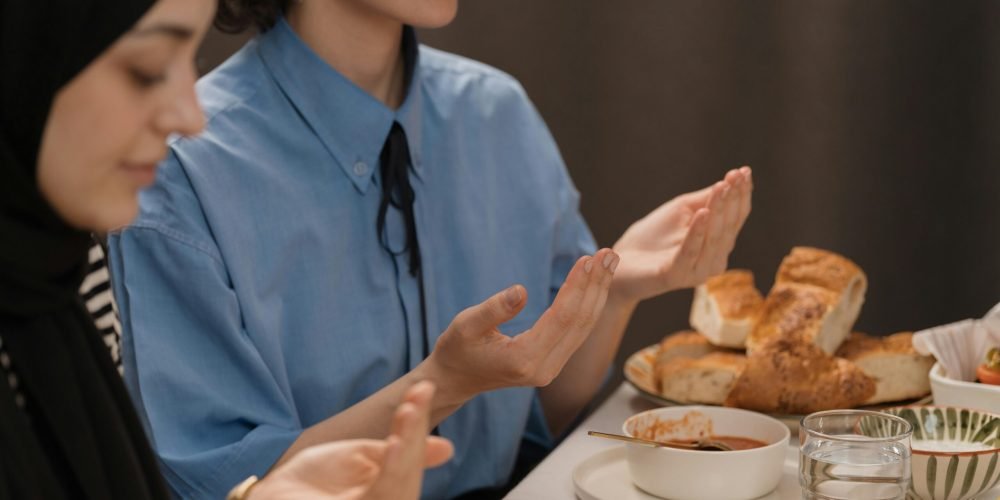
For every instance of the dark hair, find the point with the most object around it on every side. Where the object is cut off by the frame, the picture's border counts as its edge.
(236, 16)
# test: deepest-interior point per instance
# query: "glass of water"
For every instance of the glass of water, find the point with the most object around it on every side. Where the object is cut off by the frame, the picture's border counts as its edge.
(854, 454)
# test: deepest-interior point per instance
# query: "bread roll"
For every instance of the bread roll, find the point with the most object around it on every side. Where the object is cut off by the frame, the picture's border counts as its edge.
(817, 296)
(683, 344)
(724, 307)
(792, 312)
(899, 372)
(789, 376)
(706, 380)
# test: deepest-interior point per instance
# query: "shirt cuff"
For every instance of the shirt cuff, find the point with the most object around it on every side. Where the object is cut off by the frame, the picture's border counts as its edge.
(255, 454)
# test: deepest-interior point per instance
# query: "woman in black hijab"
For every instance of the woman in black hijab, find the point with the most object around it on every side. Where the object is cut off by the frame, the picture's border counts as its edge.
(90, 91)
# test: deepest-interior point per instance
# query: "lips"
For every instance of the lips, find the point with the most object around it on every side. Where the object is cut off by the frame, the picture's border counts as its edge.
(144, 173)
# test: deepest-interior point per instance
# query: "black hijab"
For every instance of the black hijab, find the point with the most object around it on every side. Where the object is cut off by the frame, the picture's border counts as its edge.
(80, 437)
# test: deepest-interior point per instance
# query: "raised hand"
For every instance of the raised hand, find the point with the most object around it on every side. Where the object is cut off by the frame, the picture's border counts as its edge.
(474, 356)
(684, 241)
(365, 469)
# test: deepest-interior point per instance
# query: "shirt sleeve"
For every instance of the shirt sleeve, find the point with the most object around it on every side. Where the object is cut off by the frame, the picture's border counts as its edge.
(212, 407)
(571, 237)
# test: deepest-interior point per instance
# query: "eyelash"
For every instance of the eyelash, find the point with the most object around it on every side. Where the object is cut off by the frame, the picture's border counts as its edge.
(146, 80)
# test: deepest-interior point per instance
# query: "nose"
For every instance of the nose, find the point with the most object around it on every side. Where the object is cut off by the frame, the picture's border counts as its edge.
(182, 114)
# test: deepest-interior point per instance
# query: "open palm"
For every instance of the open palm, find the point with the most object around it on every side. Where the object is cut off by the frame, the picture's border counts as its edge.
(473, 351)
(684, 241)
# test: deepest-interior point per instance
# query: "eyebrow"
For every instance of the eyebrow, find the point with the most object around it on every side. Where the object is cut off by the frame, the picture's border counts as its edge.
(175, 31)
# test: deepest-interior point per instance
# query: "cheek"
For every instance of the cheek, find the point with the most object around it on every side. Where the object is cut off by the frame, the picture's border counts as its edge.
(91, 128)
(107, 125)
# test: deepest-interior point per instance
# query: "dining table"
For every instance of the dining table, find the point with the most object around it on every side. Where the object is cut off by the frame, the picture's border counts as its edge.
(598, 464)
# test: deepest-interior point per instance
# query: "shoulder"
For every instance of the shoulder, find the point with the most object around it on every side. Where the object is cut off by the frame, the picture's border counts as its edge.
(442, 65)
(234, 82)
(171, 209)
(479, 96)
(233, 97)
(454, 81)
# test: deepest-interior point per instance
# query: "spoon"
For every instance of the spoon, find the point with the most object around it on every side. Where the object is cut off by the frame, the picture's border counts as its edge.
(684, 445)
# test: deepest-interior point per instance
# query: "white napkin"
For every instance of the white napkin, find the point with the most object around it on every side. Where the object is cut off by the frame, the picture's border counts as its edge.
(961, 347)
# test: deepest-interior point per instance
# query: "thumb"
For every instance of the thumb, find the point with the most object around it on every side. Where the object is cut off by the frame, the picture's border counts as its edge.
(438, 450)
(492, 312)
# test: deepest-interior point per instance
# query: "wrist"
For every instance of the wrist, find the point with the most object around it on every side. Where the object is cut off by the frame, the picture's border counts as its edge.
(449, 391)
(619, 300)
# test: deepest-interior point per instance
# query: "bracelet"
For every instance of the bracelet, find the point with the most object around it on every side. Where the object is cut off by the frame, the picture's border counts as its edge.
(241, 490)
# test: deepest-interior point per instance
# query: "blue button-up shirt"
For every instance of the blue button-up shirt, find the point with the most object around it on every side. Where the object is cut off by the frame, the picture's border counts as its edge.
(256, 297)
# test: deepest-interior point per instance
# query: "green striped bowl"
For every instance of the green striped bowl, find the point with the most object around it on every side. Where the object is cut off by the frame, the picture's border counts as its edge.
(956, 451)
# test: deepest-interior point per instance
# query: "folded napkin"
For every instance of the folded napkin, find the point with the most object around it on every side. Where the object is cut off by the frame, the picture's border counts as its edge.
(961, 347)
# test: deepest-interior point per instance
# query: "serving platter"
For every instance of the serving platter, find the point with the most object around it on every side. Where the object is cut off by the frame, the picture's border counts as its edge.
(639, 372)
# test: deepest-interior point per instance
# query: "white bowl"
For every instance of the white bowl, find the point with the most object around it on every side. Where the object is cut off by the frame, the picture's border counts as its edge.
(961, 394)
(709, 475)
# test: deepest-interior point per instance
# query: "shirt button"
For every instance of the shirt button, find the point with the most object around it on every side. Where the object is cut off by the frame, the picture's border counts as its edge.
(360, 168)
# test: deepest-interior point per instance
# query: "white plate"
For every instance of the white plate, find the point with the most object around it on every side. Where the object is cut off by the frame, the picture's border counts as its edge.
(639, 371)
(605, 476)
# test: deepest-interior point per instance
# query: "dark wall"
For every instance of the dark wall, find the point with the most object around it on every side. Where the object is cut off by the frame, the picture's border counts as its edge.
(872, 127)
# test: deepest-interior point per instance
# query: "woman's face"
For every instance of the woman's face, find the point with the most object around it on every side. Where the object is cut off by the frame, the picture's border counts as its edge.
(108, 127)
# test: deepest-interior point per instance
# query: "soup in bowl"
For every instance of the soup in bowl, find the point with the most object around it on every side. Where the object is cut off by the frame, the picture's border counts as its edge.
(751, 470)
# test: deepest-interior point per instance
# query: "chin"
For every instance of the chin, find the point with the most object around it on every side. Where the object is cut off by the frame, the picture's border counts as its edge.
(435, 13)
(111, 215)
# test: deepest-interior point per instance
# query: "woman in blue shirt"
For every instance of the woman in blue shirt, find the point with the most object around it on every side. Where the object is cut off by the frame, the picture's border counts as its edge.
(328, 239)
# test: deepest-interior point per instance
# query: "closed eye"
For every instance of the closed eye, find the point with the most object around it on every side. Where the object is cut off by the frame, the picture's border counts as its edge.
(176, 31)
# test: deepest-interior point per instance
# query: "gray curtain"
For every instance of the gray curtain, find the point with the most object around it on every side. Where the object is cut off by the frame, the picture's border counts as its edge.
(872, 126)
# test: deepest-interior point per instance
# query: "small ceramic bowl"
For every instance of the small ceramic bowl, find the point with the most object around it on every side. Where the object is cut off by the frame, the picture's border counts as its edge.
(706, 475)
(956, 451)
(951, 392)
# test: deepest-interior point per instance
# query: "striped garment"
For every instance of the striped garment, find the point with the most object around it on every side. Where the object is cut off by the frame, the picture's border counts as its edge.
(96, 294)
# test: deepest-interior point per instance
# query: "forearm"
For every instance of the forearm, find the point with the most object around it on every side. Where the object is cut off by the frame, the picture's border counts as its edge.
(372, 417)
(582, 376)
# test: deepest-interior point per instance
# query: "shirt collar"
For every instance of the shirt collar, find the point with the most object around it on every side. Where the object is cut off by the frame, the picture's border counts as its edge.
(352, 124)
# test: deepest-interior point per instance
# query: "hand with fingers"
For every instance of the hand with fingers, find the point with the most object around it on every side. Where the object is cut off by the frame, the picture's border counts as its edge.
(685, 241)
(474, 356)
(365, 469)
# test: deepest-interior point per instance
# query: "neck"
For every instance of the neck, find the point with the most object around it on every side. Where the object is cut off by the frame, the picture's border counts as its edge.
(359, 42)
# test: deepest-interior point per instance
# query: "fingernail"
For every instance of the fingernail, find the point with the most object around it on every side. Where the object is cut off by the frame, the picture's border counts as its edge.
(614, 265)
(587, 266)
(607, 260)
(513, 296)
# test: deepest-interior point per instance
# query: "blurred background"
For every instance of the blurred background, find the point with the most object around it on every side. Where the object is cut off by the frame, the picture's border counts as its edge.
(873, 129)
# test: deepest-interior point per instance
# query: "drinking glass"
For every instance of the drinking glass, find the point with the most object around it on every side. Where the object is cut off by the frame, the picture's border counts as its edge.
(854, 454)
